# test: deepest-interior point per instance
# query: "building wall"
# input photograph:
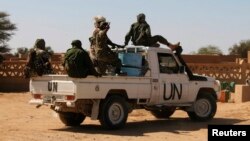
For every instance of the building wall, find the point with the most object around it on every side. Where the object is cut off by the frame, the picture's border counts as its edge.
(209, 58)
(11, 84)
(248, 57)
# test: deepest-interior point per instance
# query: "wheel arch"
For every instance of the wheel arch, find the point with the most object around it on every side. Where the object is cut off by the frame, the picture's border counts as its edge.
(117, 92)
(204, 91)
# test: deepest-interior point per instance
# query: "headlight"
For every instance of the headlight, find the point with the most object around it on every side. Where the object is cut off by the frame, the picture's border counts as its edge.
(217, 86)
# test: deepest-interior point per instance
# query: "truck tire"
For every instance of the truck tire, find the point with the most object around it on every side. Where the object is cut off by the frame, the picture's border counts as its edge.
(113, 112)
(71, 119)
(165, 112)
(204, 108)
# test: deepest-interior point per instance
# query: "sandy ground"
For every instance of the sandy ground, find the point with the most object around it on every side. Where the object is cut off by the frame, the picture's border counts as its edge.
(20, 121)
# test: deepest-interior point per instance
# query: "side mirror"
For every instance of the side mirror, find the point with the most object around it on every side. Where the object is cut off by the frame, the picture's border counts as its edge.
(182, 69)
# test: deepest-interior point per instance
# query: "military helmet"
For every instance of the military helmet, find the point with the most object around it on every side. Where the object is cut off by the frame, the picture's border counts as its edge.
(99, 19)
(76, 43)
(40, 43)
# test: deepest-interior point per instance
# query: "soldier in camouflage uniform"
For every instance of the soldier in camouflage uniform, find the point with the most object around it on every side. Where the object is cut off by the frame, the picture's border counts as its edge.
(77, 62)
(38, 60)
(140, 35)
(103, 55)
(92, 54)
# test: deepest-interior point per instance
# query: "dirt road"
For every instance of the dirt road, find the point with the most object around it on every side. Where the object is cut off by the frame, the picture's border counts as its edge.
(20, 121)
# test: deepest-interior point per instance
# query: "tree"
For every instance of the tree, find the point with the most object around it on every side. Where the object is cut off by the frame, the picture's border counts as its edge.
(49, 50)
(22, 50)
(25, 51)
(6, 31)
(240, 49)
(210, 50)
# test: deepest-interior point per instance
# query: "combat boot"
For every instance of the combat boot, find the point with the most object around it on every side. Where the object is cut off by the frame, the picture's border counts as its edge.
(178, 50)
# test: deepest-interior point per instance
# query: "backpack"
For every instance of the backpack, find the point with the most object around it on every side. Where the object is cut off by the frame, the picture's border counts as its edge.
(38, 64)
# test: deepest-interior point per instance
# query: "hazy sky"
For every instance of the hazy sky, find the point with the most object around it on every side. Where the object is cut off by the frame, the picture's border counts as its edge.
(195, 23)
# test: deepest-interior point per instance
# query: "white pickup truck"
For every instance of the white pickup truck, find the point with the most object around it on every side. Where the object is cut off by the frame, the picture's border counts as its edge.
(161, 84)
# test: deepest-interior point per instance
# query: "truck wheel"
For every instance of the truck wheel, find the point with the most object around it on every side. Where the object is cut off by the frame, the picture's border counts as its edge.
(204, 108)
(165, 112)
(113, 113)
(71, 119)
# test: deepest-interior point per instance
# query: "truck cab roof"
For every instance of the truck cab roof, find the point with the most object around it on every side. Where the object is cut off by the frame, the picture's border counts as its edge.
(141, 49)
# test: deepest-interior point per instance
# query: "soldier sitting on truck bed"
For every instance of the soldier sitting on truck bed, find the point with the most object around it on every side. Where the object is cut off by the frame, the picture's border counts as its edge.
(100, 50)
(38, 61)
(140, 35)
(77, 62)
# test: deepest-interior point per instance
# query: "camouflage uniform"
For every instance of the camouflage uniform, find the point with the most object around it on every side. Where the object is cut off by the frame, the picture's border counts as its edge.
(38, 61)
(100, 67)
(82, 65)
(140, 34)
(104, 56)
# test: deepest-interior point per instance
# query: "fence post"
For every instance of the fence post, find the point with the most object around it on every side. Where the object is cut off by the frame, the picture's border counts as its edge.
(248, 56)
(243, 72)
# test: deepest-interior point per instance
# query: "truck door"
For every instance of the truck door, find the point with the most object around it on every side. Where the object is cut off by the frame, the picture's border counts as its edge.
(173, 83)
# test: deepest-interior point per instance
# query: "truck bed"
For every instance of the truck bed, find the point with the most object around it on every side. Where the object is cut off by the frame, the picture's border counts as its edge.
(91, 87)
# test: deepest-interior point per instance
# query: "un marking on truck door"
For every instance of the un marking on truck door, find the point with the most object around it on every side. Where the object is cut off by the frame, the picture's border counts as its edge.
(52, 86)
(174, 90)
